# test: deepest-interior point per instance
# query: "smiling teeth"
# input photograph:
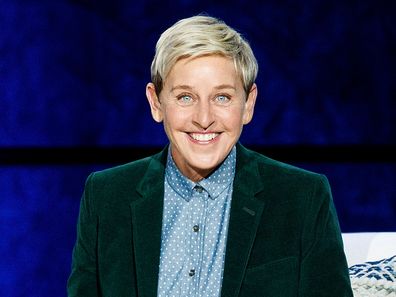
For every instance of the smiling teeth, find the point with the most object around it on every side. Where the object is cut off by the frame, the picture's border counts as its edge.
(203, 137)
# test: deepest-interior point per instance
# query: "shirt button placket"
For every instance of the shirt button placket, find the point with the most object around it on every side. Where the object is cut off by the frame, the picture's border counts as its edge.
(198, 194)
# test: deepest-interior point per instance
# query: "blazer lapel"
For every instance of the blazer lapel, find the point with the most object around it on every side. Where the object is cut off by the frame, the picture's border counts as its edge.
(245, 217)
(146, 225)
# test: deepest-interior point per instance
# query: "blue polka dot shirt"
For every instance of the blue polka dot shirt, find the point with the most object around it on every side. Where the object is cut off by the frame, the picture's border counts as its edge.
(194, 231)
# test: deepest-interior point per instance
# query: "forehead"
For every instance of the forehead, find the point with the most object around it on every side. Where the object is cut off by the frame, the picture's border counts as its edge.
(204, 70)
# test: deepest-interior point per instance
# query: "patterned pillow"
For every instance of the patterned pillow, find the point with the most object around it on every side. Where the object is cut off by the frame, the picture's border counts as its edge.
(374, 278)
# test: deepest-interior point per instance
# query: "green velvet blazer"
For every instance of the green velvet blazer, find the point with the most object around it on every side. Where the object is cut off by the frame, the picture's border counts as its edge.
(283, 238)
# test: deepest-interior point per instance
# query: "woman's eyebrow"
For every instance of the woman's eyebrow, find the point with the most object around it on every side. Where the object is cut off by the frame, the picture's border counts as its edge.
(224, 86)
(181, 87)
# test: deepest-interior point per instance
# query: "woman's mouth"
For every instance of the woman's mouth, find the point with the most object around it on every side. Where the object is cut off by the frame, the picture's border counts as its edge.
(203, 137)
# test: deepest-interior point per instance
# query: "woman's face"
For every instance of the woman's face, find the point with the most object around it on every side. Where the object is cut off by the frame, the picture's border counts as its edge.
(203, 106)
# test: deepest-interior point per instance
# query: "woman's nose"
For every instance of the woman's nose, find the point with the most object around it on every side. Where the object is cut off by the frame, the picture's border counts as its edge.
(203, 114)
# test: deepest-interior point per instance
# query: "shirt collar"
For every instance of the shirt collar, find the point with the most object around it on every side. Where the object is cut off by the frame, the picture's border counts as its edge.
(217, 182)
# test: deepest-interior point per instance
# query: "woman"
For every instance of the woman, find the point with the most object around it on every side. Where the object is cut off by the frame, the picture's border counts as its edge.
(206, 216)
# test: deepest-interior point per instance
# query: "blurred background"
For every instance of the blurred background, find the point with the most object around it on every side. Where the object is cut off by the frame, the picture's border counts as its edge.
(72, 100)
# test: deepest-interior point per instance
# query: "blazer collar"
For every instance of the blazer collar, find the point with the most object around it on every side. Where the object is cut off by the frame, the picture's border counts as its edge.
(146, 215)
(246, 211)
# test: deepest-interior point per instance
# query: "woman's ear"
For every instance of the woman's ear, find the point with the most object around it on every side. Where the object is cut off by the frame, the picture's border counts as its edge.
(155, 105)
(249, 104)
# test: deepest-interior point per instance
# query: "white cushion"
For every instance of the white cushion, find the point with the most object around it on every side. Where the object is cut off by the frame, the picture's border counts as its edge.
(368, 246)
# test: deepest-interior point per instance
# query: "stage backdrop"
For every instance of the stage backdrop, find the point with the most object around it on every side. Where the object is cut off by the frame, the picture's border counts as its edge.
(72, 82)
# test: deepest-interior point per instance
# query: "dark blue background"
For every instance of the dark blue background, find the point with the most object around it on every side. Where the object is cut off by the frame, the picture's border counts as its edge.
(73, 73)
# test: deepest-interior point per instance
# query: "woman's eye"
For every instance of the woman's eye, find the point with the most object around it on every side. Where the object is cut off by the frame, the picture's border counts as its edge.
(222, 99)
(185, 99)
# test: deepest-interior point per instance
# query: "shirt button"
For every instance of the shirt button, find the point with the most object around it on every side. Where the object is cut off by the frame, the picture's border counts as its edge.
(196, 228)
(192, 272)
(199, 189)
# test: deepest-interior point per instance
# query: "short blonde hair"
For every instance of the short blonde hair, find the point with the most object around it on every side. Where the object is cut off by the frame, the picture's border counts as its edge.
(200, 36)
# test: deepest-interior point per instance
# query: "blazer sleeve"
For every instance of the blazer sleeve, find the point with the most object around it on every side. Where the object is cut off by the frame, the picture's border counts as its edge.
(323, 270)
(83, 278)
